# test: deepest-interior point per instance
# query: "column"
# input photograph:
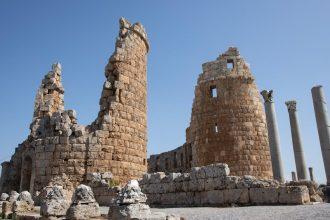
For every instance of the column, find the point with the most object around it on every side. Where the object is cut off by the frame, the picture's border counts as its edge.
(296, 140)
(294, 176)
(311, 174)
(321, 115)
(273, 135)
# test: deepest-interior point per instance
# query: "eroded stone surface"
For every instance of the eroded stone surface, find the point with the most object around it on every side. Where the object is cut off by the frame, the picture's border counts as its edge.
(84, 205)
(214, 187)
(54, 203)
(131, 204)
(114, 144)
(228, 123)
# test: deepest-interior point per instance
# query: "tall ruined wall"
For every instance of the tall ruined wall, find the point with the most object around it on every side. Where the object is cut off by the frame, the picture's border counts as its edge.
(228, 123)
(122, 144)
(115, 142)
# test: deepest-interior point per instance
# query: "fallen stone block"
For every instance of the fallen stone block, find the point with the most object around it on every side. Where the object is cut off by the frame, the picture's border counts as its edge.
(263, 196)
(294, 195)
(54, 202)
(84, 205)
(24, 203)
(4, 197)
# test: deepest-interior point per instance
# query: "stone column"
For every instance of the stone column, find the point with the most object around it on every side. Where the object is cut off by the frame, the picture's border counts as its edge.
(322, 120)
(311, 174)
(273, 136)
(294, 176)
(296, 141)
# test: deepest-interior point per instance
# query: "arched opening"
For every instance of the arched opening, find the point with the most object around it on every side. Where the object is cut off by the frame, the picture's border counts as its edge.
(26, 174)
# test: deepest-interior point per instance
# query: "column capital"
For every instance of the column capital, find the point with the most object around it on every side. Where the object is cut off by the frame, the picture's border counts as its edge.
(267, 95)
(291, 105)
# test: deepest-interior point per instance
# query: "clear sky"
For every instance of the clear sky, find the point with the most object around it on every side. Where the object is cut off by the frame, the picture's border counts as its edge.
(287, 44)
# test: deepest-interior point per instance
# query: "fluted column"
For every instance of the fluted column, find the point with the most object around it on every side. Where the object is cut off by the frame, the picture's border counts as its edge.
(296, 140)
(323, 127)
(273, 136)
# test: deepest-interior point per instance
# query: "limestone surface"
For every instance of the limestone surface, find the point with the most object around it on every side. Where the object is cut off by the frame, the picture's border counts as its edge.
(54, 202)
(131, 204)
(201, 187)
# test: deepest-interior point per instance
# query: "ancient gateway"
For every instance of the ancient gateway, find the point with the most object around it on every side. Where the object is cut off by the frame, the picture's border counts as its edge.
(228, 123)
(115, 142)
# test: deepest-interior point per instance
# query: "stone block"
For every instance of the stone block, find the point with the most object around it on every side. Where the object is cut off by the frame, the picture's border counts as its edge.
(231, 182)
(212, 198)
(294, 195)
(209, 184)
(154, 199)
(216, 170)
(263, 196)
(236, 196)
(157, 177)
(197, 173)
(168, 199)
(220, 183)
(193, 185)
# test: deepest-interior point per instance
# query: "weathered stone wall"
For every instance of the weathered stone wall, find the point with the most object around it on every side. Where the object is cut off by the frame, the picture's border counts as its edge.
(115, 142)
(228, 123)
(177, 160)
(212, 186)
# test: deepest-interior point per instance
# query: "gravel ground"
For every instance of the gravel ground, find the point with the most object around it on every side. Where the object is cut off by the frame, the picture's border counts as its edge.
(315, 212)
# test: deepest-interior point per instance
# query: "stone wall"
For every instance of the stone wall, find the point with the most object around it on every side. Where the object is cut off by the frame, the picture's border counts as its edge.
(115, 142)
(177, 160)
(228, 123)
(213, 186)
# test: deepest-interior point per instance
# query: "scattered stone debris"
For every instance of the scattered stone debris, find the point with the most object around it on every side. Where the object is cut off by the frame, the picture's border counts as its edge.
(22, 205)
(24, 202)
(131, 204)
(7, 206)
(84, 205)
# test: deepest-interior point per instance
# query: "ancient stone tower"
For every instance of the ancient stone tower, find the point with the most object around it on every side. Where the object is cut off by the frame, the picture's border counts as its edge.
(115, 142)
(228, 123)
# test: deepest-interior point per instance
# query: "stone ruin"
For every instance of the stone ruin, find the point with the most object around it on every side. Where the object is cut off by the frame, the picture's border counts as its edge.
(228, 123)
(115, 142)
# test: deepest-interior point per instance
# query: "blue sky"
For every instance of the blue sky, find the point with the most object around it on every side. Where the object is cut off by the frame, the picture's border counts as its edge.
(285, 42)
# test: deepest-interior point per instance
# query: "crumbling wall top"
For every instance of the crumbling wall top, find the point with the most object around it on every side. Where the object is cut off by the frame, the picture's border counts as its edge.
(229, 64)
